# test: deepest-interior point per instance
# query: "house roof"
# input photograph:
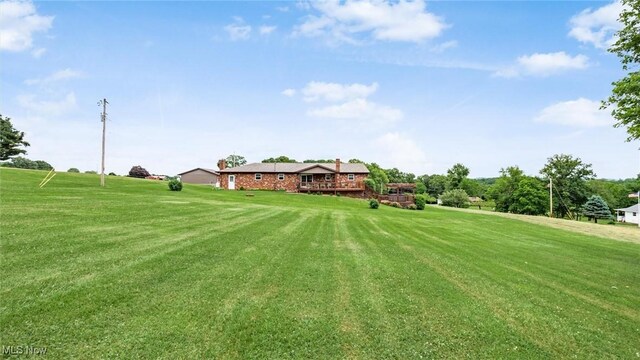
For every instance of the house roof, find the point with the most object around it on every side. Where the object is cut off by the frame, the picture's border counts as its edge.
(632, 208)
(316, 168)
(211, 171)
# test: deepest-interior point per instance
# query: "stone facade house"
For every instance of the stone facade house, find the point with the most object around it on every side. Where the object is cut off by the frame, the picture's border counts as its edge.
(201, 176)
(331, 178)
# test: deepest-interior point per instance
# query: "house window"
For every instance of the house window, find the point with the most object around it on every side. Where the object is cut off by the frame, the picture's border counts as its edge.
(351, 177)
(306, 178)
(327, 177)
(280, 176)
(258, 176)
(634, 214)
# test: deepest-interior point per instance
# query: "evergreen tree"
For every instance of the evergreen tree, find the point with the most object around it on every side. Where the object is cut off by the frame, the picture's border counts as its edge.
(596, 208)
(10, 140)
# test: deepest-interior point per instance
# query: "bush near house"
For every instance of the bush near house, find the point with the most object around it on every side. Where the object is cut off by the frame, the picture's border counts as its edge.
(421, 201)
(374, 204)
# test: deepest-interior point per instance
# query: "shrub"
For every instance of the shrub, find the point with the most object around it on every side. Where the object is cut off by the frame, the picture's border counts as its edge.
(241, 188)
(385, 202)
(175, 185)
(73, 170)
(20, 162)
(90, 172)
(373, 203)
(113, 174)
(138, 172)
(421, 201)
(395, 204)
(455, 198)
(413, 207)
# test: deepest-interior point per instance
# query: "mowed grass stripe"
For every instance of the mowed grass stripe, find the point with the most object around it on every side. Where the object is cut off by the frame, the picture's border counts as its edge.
(454, 321)
(500, 287)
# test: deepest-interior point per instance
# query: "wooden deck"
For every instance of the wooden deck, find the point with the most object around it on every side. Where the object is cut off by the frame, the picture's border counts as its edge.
(331, 186)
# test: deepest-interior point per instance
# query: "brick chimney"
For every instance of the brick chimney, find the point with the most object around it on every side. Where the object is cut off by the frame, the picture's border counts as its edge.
(337, 165)
(222, 164)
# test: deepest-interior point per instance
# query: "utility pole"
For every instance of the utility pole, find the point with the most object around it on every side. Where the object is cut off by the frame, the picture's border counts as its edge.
(104, 103)
(550, 197)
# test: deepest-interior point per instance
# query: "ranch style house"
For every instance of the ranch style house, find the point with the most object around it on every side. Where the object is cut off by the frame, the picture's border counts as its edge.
(337, 178)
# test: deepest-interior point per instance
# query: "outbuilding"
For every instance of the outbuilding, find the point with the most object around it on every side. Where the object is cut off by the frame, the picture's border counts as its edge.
(201, 176)
(629, 215)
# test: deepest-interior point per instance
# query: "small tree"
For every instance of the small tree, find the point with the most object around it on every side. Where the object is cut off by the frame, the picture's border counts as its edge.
(11, 140)
(455, 198)
(596, 208)
(73, 170)
(138, 172)
(421, 201)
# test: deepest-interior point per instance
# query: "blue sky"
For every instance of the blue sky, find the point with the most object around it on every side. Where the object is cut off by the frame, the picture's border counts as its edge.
(415, 85)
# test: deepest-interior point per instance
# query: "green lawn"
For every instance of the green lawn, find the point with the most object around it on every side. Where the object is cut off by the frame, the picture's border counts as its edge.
(134, 270)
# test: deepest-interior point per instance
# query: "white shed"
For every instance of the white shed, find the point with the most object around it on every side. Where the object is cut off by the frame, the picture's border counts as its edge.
(629, 214)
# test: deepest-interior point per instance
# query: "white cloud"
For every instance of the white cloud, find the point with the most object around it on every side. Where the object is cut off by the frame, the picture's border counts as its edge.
(37, 53)
(289, 92)
(18, 22)
(578, 113)
(266, 29)
(597, 27)
(48, 107)
(56, 76)
(334, 92)
(440, 48)
(359, 109)
(544, 64)
(238, 30)
(399, 150)
(389, 21)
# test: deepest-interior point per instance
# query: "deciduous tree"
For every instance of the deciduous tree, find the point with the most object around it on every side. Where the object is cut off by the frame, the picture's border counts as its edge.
(624, 99)
(456, 175)
(569, 176)
(235, 160)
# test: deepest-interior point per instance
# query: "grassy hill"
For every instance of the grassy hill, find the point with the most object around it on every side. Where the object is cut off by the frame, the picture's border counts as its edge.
(134, 270)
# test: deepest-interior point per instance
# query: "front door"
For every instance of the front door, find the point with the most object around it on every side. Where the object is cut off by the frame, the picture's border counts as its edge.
(232, 182)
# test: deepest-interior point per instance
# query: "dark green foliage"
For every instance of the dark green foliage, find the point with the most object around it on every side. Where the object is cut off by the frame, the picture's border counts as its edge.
(396, 176)
(370, 183)
(455, 198)
(175, 185)
(421, 188)
(279, 159)
(456, 176)
(11, 140)
(73, 170)
(113, 174)
(530, 197)
(91, 172)
(569, 176)
(421, 201)
(373, 203)
(20, 162)
(509, 197)
(596, 208)
(435, 184)
(624, 98)
(378, 176)
(615, 192)
(235, 160)
(138, 172)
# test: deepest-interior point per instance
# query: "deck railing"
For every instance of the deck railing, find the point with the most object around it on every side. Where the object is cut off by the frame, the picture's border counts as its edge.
(331, 185)
(401, 198)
